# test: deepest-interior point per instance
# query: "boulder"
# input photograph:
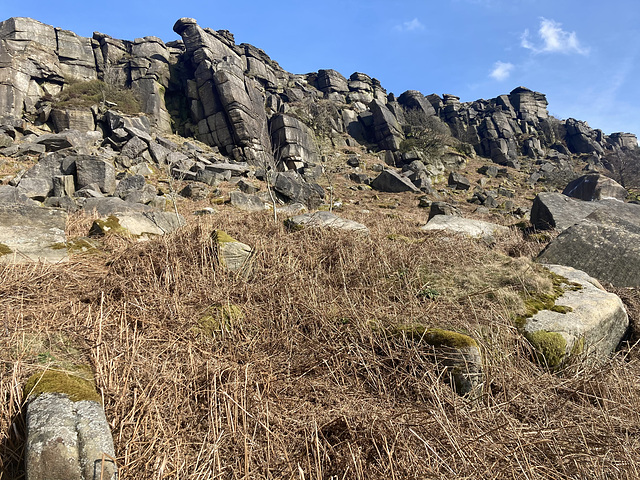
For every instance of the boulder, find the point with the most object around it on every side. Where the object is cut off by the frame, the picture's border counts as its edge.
(68, 435)
(585, 319)
(32, 234)
(246, 202)
(595, 187)
(138, 224)
(555, 210)
(442, 208)
(10, 195)
(466, 226)
(391, 181)
(608, 252)
(95, 170)
(292, 186)
(324, 220)
(231, 254)
(112, 205)
(459, 182)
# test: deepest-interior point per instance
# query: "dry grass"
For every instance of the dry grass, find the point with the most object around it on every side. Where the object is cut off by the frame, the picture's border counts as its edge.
(310, 383)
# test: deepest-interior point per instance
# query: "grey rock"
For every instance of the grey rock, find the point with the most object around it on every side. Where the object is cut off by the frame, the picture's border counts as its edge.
(63, 186)
(111, 205)
(65, 203)
(92, 170)
(35, 188)
(134, 148)
(443, 208)
(30, 234)
(72, 119)
(459, 182)
(387, 130)
(138, 224)
(195, 191)
(10, 195)
(128, 185)
(232, 255)
(292, 141)
(247, 187)
(594, 323)
(391, 181)
(292, 186)
(246, 202)
(595, 187)
(555, 210)
(473, 228)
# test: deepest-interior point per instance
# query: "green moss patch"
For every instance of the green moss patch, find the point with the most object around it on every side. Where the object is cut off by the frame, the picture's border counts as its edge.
(550, 347)
(4, 250)
(110, 225)
(218, 318)
(220, 236)
(75, 386)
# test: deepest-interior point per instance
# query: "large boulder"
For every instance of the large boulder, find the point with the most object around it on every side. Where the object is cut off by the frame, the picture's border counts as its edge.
(32, 234)
(595, 187)
(585, 319)
(68, 436)
(292, 186)
(391, 181)
(555, 210)
(465, 226)
(138, 224)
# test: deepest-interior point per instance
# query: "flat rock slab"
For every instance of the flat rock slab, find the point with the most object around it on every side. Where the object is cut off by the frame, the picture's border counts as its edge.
(324, 220)
(246, 202)
(68, 440)
(112, 205)
(595, 320)
(138, 224)
(233, 255)
(32, 234)
(467, 226)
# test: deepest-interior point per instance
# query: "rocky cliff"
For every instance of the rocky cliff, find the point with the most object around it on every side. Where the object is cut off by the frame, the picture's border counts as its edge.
(236, 98)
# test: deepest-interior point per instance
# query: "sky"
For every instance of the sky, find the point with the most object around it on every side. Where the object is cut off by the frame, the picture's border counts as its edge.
(584, 55)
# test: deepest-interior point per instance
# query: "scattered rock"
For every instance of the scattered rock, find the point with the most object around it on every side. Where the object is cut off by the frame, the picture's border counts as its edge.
(391, 181)
(233, 255)
(138, 224)
(472, 228)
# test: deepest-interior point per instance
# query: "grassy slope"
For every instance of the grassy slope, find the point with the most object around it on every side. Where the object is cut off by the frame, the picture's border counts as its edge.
(309, 383)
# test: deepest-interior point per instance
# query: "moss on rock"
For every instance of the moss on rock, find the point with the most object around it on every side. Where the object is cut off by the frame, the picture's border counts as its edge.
(75, 386)
(4, 250)
(110, 225)
(218, 318)
(551, 347)
(220, 236)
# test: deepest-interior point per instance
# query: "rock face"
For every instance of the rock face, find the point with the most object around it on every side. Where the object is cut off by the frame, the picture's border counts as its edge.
(32, 234)
(589, 320)
(236, 98)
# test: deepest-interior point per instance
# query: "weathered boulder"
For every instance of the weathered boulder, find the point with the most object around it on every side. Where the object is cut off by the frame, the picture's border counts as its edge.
(593, 187)
(585, 319)
(466, 226)
(292, 186)
(246, 202)
(391, 181)
(68, 436)
(387, 131)
(231, 254)
(10, 195)
(106, 206)
(95, 170)
(459, 182)
(555, 210)
(324, 220)
(138, 224)
(32, 234)
(458, 356)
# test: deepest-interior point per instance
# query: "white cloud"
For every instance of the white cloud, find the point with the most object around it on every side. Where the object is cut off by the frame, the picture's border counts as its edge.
(501, 71)
(553, 39)
(411, 26)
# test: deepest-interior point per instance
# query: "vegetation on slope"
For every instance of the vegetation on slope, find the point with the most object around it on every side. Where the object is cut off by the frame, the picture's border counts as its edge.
(312, 381)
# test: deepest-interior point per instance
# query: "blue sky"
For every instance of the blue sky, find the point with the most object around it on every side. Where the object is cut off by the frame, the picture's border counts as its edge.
(584, 55)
